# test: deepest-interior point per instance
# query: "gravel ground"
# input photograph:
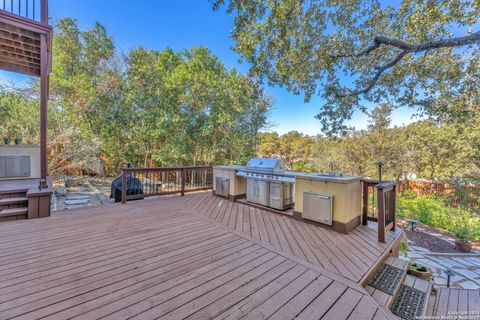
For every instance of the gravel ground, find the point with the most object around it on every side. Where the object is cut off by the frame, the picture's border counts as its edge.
(91, 190)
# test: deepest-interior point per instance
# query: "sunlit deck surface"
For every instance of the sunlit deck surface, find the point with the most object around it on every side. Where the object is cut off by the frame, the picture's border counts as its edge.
(167, 258)
(454, 303)
(351, 256)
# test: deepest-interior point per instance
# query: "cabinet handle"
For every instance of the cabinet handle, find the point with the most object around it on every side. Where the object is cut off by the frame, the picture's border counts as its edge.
(323, 197)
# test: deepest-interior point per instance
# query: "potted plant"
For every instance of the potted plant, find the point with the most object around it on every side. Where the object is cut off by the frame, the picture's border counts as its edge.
(6, 140)
(463, 235)
(18, 141)
(419, 271)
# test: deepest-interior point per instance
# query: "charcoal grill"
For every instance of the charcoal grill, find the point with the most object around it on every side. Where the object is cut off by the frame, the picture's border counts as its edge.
(134, 187)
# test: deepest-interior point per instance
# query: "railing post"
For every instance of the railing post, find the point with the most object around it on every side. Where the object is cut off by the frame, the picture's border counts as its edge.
(381, 213)
(124, 186)
(393, 206)
(183, 181)
(365, 204)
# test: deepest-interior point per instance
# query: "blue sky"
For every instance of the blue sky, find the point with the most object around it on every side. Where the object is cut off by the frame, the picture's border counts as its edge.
(157, 24)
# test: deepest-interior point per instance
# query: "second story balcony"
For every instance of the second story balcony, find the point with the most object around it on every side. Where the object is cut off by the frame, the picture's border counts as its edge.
(35, 10)
(25, 36)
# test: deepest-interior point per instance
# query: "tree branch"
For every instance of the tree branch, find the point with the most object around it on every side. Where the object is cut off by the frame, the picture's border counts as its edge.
(376, 77)
(406, 49)
(430, 45)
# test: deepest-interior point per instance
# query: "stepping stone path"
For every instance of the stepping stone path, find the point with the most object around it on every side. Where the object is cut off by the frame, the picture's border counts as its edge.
(466, 267)
(77, 199)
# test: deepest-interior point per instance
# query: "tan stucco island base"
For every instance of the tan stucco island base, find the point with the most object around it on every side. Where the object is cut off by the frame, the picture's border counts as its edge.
(347, 199)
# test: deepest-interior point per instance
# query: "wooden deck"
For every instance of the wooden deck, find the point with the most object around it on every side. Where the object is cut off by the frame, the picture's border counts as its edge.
(352, 256)
(166, 258)
(453, 303)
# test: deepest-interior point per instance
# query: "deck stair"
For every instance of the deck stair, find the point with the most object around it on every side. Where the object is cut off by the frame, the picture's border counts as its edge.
(380, 295)
(414, 295)
(397, 291)
(13, 205)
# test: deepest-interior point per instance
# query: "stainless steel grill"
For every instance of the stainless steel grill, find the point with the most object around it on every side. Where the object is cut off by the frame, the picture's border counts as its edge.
(266, 170)
(266, 165)
(268, 183)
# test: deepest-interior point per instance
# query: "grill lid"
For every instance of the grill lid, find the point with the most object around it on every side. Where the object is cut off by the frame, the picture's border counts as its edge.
(266, 165)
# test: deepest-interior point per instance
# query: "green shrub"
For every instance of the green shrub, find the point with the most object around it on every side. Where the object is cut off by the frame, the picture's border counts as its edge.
(436, 212)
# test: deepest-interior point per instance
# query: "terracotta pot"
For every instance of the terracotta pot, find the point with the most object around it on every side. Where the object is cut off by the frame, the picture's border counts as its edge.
(463, 246)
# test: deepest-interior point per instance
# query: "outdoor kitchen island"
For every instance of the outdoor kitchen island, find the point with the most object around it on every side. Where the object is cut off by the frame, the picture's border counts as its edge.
(330, 200)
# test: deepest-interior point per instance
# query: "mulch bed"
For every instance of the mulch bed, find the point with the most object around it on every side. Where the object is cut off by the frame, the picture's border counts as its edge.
(433, 239)
(432, 243)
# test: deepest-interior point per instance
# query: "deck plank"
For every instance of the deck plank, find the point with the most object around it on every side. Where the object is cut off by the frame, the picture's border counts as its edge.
(194, 257)
(352, 255)
(242, 293)
(293, 307)
(451, 302)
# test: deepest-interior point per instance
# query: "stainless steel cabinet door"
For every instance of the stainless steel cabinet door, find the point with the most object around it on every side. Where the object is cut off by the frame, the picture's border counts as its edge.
(318, 207)
(251, 191)
(276, 195)
(222, 186)
(17, 166)
(263, 191)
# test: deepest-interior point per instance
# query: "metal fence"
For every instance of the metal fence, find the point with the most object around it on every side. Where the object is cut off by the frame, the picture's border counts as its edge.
(138, 183)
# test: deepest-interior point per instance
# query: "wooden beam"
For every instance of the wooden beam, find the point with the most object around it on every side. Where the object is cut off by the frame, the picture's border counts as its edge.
(44, 11)
(21, 62)
(19, 45)
(15, 29)
(20, 58)
(24, 23)
(44, 69)
(19, 68)
(19, 51)
(19, 38)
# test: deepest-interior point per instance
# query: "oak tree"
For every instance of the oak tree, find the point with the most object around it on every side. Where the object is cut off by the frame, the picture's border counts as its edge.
(419, 53)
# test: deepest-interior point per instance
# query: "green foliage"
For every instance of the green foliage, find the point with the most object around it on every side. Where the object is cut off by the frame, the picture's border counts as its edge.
(385, 50)
(403, 248)
(443, 152)
(436, 212)
(187, 108)
(409, 194)
(464, 234)
(147, 108)
(20, 114)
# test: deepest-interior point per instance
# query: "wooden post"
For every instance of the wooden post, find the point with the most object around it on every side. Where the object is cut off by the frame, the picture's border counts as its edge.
(183, 181)
(43, 109)
(365, 204)
(44, 11)
(124, 187)
(381, 214)
(393, 206)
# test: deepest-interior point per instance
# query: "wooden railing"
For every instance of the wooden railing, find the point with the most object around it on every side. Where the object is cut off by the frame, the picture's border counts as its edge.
(379, 204)
(147, 182)
(36, 10)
